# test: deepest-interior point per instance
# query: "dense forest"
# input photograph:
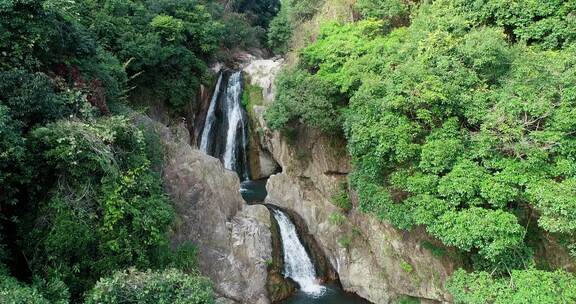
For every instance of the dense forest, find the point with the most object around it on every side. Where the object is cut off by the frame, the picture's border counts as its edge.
(459, 117)
(83, 212)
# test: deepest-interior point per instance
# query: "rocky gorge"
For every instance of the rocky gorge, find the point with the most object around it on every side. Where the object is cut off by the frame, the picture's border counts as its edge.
(366, 256)
(372, 259)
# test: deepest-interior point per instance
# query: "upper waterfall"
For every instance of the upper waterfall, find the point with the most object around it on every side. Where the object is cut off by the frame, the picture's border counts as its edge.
(225, 133)
(235, 142)
(210, 118)
(297, 263)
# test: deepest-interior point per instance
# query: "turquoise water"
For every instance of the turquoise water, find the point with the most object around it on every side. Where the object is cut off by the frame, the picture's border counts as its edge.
(254, 191)
(333, 295)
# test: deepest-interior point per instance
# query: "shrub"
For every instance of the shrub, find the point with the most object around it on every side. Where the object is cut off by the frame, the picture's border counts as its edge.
(524, 286)
(280, 33)
(168, 286)
(344, 241)
(11, 291)
(304, 98)
(90, 225)
(393, 11)
(342, 197)
(407, 267)
(302, 10)
(337, 218)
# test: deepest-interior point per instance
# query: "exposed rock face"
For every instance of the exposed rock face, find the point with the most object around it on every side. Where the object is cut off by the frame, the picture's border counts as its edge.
(233, 238)
(373, 259)
(261, 73)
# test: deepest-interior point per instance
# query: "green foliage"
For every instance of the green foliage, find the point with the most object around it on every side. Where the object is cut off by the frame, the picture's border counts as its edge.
(436, 250)
(407, 267)
(168, 27)
(491, 231)
(303, 98)
(556, 200)
(238, 33)
(11, 291)
(336, 44)
(185, 258)
(292, 13)
(51, 291)
(393, 11)
(259, 12)
(280, 32)
(13, 171)
(342, 198)
(301, 10)
(344, 241)
(547, 23)
(523, 286)
(32, 99)
(252, 96)
(337, 219)
(115, 217)
(408, 300)
(168, 286)
(455, 119)
(27, 100)
(32, 36)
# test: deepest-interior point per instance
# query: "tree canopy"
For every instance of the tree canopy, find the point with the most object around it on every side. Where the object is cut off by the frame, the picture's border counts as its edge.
(81, 196)
(459, 116)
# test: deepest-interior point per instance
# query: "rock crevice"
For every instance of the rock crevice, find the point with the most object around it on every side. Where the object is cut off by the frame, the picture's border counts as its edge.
(233, 239)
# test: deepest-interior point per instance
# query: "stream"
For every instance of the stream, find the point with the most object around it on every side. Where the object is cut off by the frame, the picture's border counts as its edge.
(225, 136)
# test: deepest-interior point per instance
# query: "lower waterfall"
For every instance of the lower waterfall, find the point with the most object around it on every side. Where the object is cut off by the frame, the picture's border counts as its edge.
(297, 264)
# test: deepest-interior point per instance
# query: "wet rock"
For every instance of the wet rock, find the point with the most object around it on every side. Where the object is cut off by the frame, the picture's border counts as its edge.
(372, 258)
(279, 287)
(233, 238)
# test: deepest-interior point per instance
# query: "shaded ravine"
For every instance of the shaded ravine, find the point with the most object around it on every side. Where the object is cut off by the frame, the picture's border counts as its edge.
(224, 136)
(225, 131)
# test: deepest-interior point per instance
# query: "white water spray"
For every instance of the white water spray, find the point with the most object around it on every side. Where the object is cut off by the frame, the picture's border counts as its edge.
(297, 264)
(235, 123)
(210, 117)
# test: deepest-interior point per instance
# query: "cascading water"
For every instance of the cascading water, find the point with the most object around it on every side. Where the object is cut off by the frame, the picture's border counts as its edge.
(297, 264)
(225, 136)
(210, 118)
(225, 133)
(236, 123)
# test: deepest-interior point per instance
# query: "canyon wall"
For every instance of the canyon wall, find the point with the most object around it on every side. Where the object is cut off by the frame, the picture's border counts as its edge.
(372, 258)
(233, 239)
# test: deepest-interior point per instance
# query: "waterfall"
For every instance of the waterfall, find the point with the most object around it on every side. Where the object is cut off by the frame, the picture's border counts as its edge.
(210, 118)
(225, 133)
(297, 264)
(236, 134)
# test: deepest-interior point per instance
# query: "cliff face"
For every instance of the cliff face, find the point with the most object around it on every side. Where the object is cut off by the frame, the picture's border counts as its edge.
(233, 238)
(373, 259)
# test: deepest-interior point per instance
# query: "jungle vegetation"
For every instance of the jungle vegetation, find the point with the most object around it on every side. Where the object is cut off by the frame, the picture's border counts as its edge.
(459, 116)
(83, 213)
